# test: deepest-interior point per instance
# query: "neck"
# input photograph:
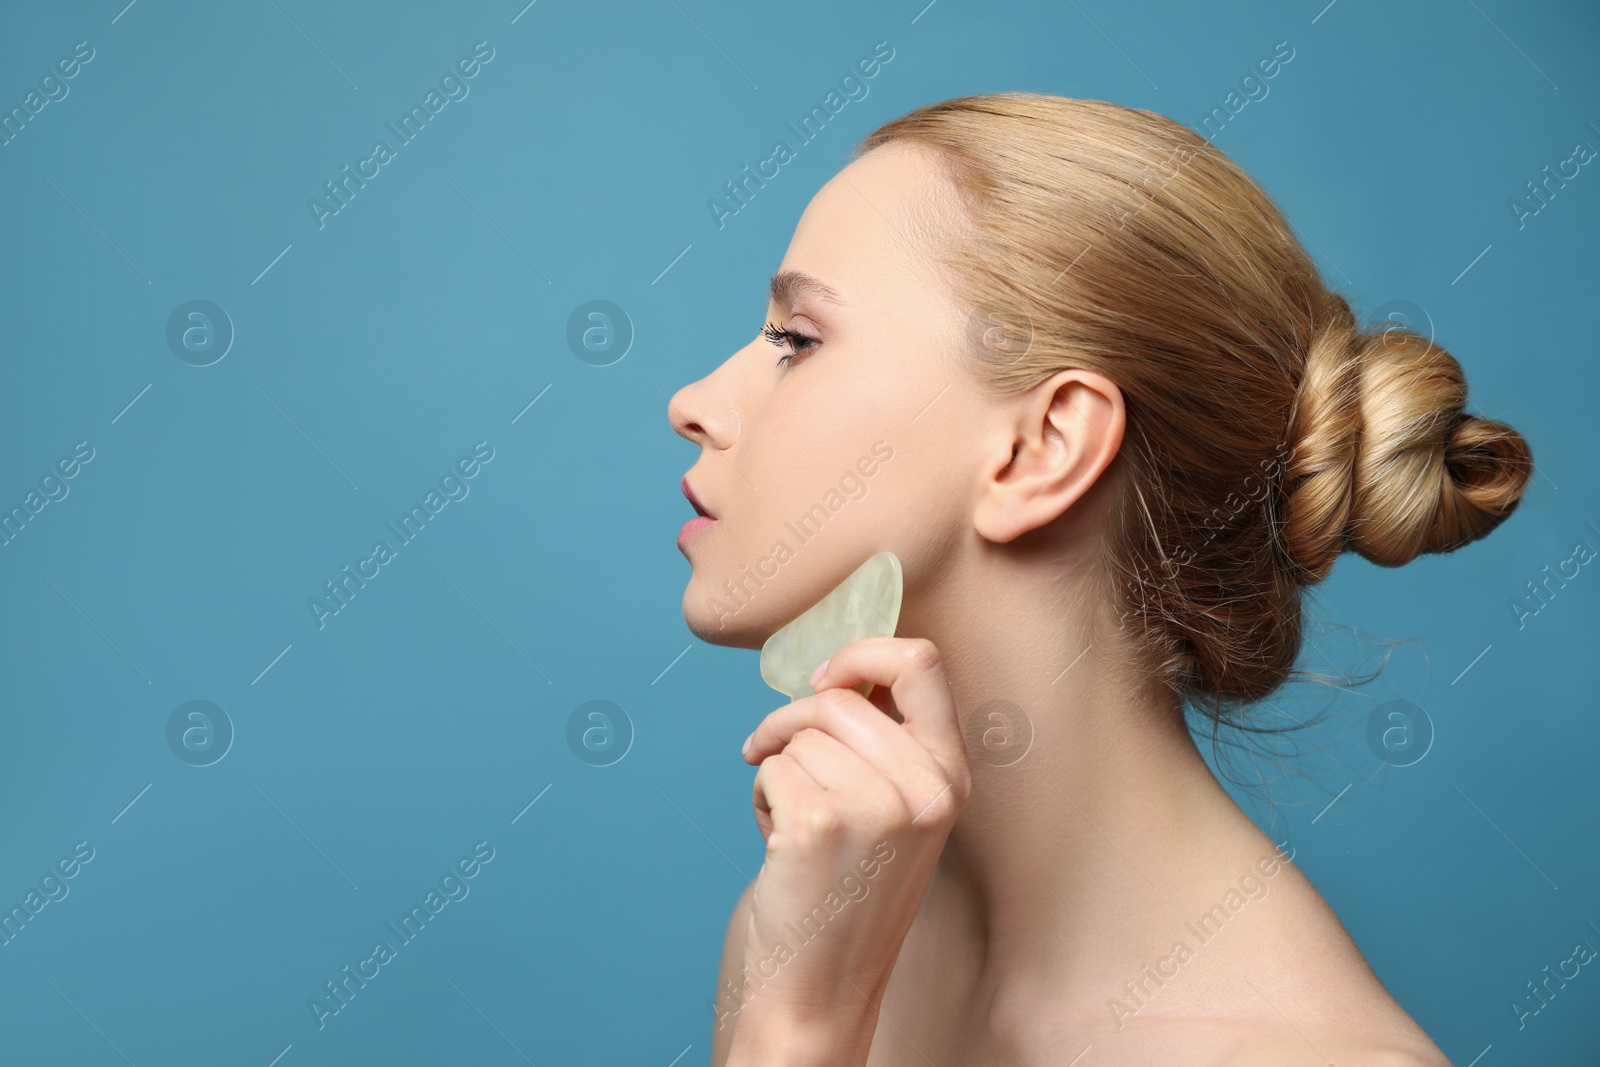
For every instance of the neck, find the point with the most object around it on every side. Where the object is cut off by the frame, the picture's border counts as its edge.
(1075, 862)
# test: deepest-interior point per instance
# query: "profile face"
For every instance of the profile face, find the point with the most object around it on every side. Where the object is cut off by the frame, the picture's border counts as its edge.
(854, 444)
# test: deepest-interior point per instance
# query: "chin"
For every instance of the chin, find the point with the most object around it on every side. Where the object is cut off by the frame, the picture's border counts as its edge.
(739, 618)
(717, 627)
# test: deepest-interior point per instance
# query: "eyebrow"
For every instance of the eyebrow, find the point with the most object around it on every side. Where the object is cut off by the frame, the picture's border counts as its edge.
(788, 284)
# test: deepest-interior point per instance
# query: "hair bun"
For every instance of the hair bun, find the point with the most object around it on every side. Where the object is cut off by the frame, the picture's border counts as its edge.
(1385, 460)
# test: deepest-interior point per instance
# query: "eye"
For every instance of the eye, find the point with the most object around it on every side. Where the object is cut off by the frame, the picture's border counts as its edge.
(781, 336)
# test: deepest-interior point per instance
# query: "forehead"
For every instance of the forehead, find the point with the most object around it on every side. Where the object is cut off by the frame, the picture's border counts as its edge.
(873, 223)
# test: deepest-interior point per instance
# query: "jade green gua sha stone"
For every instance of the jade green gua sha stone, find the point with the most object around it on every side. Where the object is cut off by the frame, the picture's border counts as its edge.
(866, 604)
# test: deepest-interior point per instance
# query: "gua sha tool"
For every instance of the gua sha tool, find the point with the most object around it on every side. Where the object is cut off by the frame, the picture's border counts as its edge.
(866, 604)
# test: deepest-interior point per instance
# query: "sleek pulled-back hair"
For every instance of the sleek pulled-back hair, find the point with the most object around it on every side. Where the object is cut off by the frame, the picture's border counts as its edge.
(1267, 431)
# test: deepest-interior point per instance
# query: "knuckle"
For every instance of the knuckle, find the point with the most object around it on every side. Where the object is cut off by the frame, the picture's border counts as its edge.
(776, 761)
(823, 823)
(807, 735)
(886, 810)
(848, 707)
(940, 808)
(929, 783)
(836, 702)
(762, 775)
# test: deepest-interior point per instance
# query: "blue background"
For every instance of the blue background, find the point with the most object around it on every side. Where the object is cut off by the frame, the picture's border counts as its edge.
(371, 353)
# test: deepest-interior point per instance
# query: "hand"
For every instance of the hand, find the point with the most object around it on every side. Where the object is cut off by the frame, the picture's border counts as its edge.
(855, 809)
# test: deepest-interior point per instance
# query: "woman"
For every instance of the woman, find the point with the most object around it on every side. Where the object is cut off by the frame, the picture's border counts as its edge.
(1070, 364)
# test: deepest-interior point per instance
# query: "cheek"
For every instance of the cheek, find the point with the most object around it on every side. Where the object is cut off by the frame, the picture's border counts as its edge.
(853, 438)
(794, 447)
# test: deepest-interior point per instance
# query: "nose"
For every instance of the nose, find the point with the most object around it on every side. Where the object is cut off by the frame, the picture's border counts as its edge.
(704, 412)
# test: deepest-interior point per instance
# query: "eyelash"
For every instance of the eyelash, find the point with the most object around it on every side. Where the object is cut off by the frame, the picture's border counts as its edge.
(782, 336)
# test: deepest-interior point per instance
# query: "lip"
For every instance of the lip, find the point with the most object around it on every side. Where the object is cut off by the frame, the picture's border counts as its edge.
(703, 518)
(694, 526)
(694, 501)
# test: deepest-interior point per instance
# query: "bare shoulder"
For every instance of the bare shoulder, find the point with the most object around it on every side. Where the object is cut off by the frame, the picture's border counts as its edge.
(1327, 1004)
(1271, 1045)
(1313, 1040)
(726, 1005)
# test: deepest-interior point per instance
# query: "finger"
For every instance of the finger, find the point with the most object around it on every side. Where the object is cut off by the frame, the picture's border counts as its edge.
(852, 720)
(845, 774)
(782, 784)
(883, 700)
(910, 668)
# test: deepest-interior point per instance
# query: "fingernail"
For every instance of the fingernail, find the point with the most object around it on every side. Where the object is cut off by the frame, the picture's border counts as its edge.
(746, 748)
(821, 667)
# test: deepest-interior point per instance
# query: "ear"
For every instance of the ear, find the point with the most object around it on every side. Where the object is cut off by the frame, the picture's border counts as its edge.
(1066, 430)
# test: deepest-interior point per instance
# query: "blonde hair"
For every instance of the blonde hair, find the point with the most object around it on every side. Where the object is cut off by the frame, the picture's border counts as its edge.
(1115, 239)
